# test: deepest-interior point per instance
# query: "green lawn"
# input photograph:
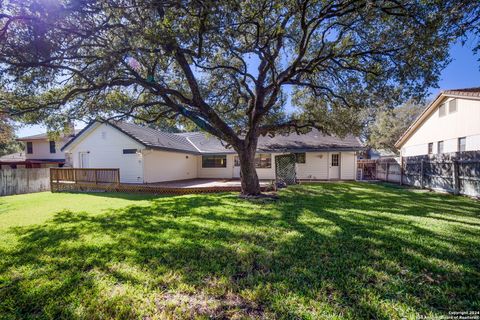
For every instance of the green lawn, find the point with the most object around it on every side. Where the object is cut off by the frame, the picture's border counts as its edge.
(344, 251)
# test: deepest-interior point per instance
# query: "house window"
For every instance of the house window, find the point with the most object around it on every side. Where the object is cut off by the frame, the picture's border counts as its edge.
(440, 147)
(263, 160)
(214, 161)
(29, 147)
(442, 110)
(452, 106)
(462, 144)
(335, 160)
(236, 161)
(430, 148)
(300, 157)
(52, 147)
(129, 151)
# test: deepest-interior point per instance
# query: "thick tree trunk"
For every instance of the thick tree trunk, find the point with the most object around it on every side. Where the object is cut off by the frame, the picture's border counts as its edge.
(248, 173)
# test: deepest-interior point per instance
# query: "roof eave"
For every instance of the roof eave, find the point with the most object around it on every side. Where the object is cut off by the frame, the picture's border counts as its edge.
(153, 147)
(78, 135)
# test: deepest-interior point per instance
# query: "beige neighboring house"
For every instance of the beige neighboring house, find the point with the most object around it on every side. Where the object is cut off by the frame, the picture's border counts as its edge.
(145, 155)
(451, 123)
(40, 152)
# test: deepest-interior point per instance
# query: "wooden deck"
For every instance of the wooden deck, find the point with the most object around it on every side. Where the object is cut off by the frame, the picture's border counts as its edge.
(97, 180)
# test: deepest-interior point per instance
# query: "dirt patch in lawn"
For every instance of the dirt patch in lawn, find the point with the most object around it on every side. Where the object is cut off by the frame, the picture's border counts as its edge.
(229, 306)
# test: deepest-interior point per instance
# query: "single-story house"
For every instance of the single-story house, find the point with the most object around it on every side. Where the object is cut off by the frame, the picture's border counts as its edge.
(146, 155)
(451, 123)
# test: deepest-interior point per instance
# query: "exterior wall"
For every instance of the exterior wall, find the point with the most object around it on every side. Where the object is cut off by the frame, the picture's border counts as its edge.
(167, 166)
(315, 166)
(465, 122)
(104, 145)
(348, 165)
(216, 173)
(41, 150)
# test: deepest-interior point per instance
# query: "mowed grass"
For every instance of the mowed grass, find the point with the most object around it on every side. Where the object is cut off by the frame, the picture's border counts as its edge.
(324, 251)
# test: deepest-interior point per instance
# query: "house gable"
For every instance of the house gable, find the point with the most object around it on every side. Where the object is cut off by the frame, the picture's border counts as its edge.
(467, 94)
(446, 120)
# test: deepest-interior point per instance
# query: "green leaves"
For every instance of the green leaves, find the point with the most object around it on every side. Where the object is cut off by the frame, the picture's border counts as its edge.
(233, 63)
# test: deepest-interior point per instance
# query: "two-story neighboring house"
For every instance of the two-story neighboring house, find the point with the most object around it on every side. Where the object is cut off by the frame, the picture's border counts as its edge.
(40, 152)
(451, 123)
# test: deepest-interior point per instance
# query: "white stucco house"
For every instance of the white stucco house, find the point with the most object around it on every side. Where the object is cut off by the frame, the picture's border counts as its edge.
(145, 155)
(451, 123)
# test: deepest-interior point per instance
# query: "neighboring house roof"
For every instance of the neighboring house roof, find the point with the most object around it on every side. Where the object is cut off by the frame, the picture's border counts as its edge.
(13, 157)
(465, 93)
(380, 153)
(20, 157)
(202, 143)
(44, 136)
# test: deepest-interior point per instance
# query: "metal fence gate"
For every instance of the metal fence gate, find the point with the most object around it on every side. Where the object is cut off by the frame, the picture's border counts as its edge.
(285, 169)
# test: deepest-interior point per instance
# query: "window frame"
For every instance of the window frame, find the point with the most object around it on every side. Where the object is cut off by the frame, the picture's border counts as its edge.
(452, 102)
(53, 146)
(215, 157)
(258, 161)
(299, 156)
(459, 144)
(335, 163)
(29, 147)
(442, 110)
(430, 148)
(440, 143)
(236, 161)
(129, 151)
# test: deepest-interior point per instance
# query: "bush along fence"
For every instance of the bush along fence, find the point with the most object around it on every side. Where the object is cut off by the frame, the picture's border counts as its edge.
(18, 181)
(457, 173)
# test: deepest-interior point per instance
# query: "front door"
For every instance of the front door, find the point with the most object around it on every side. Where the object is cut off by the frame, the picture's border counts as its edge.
(334, 166)
(236, 167)
(83, 159)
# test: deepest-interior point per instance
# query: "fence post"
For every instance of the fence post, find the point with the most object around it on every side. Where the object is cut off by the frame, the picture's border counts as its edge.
(422, 173)
(387, 171)
(96, 179)
(51, 179)
(401, 170)
(455, 178)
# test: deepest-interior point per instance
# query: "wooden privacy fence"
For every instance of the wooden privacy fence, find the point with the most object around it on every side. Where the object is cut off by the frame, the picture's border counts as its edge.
(95, 176)
(18, 181)
(388, 170)
(457, 173)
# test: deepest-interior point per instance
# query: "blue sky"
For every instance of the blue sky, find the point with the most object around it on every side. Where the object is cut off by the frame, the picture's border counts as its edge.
(462, 72)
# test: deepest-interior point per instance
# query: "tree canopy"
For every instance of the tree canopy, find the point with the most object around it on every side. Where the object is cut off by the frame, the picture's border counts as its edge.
(236, 69)
(390, 124)
(8, 144)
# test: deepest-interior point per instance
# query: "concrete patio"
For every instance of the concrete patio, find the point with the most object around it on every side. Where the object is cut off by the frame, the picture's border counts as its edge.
(204, 183)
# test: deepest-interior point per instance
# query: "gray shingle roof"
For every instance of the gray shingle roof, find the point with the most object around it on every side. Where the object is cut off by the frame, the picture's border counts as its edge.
(156, 139)
(467, 92)
(202, 143)
(44, 136)
(312, 141)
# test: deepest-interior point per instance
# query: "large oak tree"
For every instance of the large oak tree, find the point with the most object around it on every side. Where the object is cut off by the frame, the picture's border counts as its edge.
(236, 69)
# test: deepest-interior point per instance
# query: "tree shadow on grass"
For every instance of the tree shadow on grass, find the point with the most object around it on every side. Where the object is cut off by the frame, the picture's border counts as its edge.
(346, 250)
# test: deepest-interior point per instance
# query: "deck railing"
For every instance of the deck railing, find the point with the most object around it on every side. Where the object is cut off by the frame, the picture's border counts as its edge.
(75, 175)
